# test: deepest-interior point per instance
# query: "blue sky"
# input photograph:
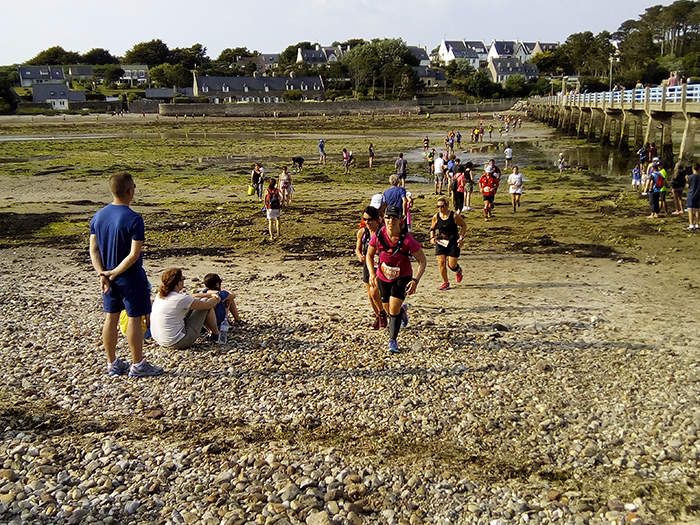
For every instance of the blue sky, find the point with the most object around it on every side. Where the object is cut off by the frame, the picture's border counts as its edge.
(271, 25)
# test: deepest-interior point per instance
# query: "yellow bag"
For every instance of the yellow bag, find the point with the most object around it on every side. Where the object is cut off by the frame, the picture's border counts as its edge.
(124, 320)
(251, 189)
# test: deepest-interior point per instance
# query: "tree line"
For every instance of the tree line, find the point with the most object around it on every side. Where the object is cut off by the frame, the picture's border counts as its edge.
(646, 49)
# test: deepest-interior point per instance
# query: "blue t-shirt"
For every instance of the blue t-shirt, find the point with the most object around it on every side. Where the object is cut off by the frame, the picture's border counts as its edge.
(220, 309)
(394, 196)
(115, 227)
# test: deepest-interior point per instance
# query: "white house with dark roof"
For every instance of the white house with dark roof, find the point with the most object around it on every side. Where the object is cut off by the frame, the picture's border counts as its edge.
(451, 50)
(524, 51)
(479, 48)
(502, 68)
(502, 49)
(32, 75)
(221, 90)
(57, 94)
(134, 74)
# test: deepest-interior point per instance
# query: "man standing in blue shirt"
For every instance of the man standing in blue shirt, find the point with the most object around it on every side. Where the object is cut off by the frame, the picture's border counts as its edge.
(395, 195)
(116, 242)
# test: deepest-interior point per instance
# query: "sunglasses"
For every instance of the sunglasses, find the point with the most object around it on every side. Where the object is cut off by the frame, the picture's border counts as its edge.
(367, 219)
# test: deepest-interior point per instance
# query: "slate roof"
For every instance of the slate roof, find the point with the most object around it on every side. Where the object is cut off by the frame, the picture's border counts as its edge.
(426, 72)
(43, 73)
(505, 47)
(529, 47)
(418, 52)
(313, 56)
(513, 66)
(80, 70)
(167, 92)
(55, 91)
(477, 45)
(548, 46)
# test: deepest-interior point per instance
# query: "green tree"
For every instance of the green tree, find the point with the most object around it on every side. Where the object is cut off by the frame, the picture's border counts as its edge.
(458, 69)
(516, 85)
(109, 73)
(55, 56)
(384, 64)
(232, 55)
(149, 53)
(99, 56)
(479, 84)
(166, 75)
(8, 98)
(194, 57)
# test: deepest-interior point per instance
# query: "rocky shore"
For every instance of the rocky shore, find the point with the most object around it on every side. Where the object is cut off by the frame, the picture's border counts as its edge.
(533, 396)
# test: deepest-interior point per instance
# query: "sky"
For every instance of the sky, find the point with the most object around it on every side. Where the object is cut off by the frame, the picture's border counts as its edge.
(269, 26)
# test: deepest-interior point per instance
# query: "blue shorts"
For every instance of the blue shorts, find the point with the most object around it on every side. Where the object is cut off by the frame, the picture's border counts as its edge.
(131, 294)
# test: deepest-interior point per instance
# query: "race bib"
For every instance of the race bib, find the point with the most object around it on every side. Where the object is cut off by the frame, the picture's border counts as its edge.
(390, 272)
(444, 243)
(487, 189)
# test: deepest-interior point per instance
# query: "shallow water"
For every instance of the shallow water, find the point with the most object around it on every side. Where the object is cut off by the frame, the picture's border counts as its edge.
(542, 154)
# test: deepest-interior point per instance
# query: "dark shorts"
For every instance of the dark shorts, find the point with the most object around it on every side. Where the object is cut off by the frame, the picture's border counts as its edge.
(488, 198)
(458, 197)
(395, 288)
(132, 295)
(693, 200)
(451, 250)
(402, 176)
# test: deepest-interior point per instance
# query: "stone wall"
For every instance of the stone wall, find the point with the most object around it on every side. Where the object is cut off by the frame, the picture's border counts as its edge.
(293, 109)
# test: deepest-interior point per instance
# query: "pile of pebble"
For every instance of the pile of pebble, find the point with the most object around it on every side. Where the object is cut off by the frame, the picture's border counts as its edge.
(303, 417)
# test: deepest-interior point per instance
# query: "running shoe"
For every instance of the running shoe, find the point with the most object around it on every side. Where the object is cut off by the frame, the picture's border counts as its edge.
(444, 286)
(404, 316)
(459, 276)
(144, 369)
(383, 320)
(119, 367)
(393, 346)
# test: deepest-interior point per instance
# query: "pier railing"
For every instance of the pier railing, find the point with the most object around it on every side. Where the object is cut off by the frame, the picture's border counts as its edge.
(676, 98)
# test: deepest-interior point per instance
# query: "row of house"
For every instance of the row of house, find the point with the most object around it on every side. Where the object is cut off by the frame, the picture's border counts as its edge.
(29, 76)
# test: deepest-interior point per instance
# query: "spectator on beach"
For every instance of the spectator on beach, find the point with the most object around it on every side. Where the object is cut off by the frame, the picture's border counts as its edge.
(515, 187)
(693, 202)
(257, 179)
(637, 178)
(322, 151)
(561, 163)
(347, 160)
(227, 303)
(394, 273)
(430, 158)
(438, 173)
(458, 185)
(401, 170)
(177, 318)
(653, 188)
(370, 155)
(273, 209)
(680, 172)
(285, 186)
(371, 221)
(117, 234)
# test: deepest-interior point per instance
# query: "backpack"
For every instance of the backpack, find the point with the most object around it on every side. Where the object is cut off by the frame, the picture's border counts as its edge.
(275, 203)
(392, 250)
(659, 181)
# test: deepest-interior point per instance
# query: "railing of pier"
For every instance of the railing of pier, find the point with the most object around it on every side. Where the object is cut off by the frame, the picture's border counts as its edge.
(629, 98)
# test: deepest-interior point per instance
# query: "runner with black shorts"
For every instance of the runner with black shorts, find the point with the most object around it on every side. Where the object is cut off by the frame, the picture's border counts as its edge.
(447, 233)
(394, 275)
(371, 221)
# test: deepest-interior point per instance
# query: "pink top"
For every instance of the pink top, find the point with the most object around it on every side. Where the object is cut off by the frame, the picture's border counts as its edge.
(392, 258)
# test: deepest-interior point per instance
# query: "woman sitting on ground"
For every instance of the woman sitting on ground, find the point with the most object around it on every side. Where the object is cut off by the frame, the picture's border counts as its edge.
(176, 317)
